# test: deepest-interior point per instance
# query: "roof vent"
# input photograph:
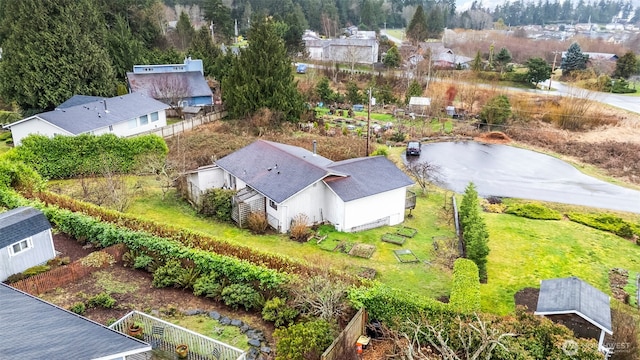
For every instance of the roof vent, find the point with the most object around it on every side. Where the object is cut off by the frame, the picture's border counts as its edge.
(314, 147)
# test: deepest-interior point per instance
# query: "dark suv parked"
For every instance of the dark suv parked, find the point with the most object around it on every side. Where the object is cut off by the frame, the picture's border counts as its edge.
(413, 148)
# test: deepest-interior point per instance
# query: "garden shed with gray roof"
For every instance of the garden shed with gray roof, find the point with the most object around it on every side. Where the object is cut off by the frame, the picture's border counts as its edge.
(578, 305)
(25, 240)
(288, 183)
(33, 329)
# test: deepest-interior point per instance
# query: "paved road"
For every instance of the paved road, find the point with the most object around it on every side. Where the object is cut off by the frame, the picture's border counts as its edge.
(505, 171)
(394, 39)
(625, 102)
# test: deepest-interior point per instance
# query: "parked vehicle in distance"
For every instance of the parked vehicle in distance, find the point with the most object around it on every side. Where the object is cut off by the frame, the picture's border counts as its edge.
(301, 68)
(413, 148)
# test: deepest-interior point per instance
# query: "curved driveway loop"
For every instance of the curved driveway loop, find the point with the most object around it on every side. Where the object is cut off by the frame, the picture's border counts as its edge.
(506, 171)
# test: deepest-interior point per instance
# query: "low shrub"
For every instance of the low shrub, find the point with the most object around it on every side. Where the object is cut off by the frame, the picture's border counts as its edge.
(533, 211)
(103, 300)
(15, 278)
(144, 261)
(465, 289)
(303, 341)
(257, 222)
(168, 274)
(35, 270)
(98, 259)
(606, 222)
(236, 295)
(188, 278)
(217, 204)
(208, 285)
(277, 311)
(78, 308)
(59, 261)
(299, 230)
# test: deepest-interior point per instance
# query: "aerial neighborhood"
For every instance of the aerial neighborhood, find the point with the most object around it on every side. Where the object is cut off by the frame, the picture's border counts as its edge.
(304, 180)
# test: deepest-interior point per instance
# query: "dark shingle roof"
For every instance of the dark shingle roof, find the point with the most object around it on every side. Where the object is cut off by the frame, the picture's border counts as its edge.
(572, 295)
(20, 223)
(79, 100)
(278, 171)
(194, 82)
(366, 176)
(33, 329)
(100, 114)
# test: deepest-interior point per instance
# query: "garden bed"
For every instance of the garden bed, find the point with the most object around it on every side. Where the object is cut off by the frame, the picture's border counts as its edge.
(362, 250)
(406, 232)
(405, 256)
(394, 238)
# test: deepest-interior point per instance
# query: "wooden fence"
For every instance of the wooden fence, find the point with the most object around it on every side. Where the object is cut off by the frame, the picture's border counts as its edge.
(184, 125)
(348, 337)
(62, 275)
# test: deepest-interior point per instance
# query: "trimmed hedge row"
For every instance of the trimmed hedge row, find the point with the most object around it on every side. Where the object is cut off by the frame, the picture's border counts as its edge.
(190, 238)
(84, 227)
(64, 157)
(465, 289)
(606, 222)
(533, 211)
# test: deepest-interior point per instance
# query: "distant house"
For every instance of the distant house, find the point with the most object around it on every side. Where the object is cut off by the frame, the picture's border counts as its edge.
(284, 182)
(360, 48)
(124, 115)
(419, 105)
(25, 241)
(32, 329)
(597, 56)
(177, 85)
(577, 305)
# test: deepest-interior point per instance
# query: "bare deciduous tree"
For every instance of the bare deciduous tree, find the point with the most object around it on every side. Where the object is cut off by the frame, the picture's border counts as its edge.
(170, 89)
(321, 298)
(425, 173)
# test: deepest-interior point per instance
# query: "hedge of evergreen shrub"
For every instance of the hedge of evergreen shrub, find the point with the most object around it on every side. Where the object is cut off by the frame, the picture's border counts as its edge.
(465, 289)
(217, 204)
(303, 341)
(533, 211)
(606, 222)
(63, 157)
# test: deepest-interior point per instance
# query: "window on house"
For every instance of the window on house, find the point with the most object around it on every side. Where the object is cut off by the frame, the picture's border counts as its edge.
(273, 204)
(20, 246)
(144, 120)
(133, 123)
(154, 117)
(232, 182)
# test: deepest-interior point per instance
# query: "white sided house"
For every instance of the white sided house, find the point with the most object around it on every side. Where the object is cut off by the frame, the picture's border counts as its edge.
(124, 115)
(25, 240)
(288, 182)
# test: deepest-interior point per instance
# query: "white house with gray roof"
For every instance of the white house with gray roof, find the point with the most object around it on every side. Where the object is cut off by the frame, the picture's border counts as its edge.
(577, 305)
(124, 115)
(25, 241)
(285, 181)
(33, 329)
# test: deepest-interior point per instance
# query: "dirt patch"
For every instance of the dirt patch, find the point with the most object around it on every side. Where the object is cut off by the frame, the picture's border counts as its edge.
(618, 279)
(527, 298)
(67, 246)
(493, 137)
(132, 290)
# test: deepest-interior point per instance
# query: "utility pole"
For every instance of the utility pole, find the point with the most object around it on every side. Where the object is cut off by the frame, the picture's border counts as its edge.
(553, 67)
(213, 38)
(368, 121)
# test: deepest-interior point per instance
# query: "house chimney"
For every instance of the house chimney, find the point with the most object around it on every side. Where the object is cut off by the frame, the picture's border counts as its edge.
(105, 105)
(314, 147)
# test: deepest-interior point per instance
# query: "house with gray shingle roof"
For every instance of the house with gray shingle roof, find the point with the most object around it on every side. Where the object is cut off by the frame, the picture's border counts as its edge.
(124, 115)
(177, 85)
(33, 329)
(25, 240)
(577, 305)
(285, 182)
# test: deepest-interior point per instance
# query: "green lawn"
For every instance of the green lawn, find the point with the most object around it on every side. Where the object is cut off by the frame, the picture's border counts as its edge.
(524, 252)
(397, 33)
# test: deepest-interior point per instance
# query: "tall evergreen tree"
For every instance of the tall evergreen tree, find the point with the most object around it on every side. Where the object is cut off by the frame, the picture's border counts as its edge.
(477, 65)
(220, 15)
(573, 60)
(51, 51)
(202, 47)
(503, 58)
(185, 31)
(125, 49)
(417, 29)
(538, 71)
(626, 66)
(415, 89)
(261, 76)
(435, 23)
(474, 230)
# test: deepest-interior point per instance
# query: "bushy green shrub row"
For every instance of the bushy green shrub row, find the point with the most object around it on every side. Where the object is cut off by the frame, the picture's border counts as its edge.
(474, 230)
(306, 340)
(64, 157)
(465, 289)
(15, 174)
(606, 222)
(533, 211)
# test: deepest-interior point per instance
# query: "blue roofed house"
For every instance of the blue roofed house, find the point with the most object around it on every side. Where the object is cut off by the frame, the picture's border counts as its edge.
(33, 329)
(285, 181)
(25, 240)
(178, 85)
(124, 115)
